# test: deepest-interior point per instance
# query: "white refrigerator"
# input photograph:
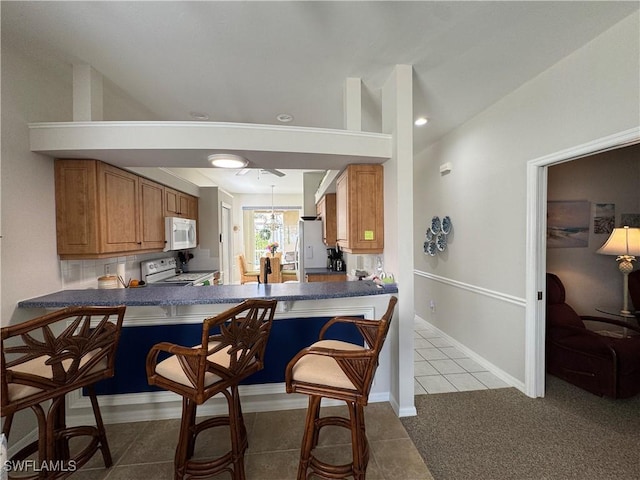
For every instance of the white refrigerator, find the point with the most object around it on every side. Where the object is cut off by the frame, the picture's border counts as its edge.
(311, 250)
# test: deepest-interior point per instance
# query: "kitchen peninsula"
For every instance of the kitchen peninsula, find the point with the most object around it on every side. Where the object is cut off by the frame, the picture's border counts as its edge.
(175, 314)
(163, 296)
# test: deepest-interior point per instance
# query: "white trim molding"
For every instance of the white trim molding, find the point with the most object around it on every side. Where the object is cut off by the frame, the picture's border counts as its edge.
(503, 297)
(535, 261)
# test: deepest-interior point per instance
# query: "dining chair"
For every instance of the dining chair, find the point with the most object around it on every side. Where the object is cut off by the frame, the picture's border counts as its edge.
(341, 371)
(47, 357)
(275, 274)
(246, 275)
(232, 348)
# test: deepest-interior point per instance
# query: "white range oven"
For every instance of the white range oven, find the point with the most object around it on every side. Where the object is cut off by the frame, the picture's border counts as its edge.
(163, 272)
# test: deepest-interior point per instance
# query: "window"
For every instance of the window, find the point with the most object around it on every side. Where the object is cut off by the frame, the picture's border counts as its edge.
(258, 234)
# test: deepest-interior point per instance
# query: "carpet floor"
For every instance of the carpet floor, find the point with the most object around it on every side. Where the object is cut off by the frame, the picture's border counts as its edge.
(503, 434)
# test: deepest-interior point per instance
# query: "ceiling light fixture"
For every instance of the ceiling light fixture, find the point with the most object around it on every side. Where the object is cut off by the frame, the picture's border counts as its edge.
(227, 160)
(284, 117)
(420, 121)
(199, 116)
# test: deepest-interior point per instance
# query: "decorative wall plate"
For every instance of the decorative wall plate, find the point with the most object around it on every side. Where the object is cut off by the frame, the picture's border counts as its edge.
(441, 242)
(446, 225)
(429, 235)
(435, 225)
(431, 248)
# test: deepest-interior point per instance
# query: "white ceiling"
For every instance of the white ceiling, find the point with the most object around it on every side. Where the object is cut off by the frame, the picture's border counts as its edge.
(247, 62)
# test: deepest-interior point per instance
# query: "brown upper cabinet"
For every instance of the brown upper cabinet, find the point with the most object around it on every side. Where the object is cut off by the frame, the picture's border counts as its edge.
(360, 209)
(103, 211)
(179, 204)
(326, 211)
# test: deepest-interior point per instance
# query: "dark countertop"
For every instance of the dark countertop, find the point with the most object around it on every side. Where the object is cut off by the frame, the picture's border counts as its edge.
(322, 271)
(167, 295)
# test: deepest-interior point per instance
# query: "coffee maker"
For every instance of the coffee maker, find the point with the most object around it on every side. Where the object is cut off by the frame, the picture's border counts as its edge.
(334, 260)
(331, 257)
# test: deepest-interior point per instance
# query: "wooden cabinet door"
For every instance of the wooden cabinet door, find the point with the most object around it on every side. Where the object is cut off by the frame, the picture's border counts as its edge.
(179, 204)
(191, 206)
(326, 211)
(76, 207)
(151, 214)
(342, 210)
(329, 277)
(171, 202)
(360, 209)
(119, 209)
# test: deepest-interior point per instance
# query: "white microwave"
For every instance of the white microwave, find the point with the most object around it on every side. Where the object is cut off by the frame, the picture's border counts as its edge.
(180, 233)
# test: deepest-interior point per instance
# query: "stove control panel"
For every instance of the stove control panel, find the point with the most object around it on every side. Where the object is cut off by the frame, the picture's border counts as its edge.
(159, 265)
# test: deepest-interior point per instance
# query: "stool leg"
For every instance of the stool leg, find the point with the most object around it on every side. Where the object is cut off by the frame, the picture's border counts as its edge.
(184, 438)
(310, 437)
(6, 428)
(238, 433)
(102, 435)
(57, 445)
(42, 436)
(359, 443)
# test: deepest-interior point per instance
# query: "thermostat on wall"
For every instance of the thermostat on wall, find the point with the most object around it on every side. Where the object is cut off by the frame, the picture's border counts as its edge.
(445, 167)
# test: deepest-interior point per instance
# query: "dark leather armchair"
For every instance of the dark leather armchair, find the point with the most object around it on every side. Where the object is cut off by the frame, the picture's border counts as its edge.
(602, 365)
(634, 291)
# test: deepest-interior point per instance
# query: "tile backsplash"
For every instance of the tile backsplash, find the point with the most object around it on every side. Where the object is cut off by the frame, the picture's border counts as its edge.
(83, 274)
(367, 262)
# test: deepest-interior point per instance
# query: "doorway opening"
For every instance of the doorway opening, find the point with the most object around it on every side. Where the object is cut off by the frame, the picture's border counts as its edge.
(536, 256)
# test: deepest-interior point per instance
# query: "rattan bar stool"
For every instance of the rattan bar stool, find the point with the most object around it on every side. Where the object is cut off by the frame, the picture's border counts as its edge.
(217, 365)
(47, 357)
(342, 371)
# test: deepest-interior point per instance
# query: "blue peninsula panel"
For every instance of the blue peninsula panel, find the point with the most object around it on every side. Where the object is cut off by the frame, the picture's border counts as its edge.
(288, 337)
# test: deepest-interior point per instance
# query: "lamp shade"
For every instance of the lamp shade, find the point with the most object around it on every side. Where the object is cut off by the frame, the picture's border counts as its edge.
(622, 241)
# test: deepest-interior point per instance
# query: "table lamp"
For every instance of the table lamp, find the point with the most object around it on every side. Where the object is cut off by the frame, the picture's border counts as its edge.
(625, 243)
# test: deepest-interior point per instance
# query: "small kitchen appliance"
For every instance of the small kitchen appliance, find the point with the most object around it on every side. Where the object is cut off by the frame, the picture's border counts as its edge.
(162, 271)
(331, 257)
(179, 233)
(334, 260)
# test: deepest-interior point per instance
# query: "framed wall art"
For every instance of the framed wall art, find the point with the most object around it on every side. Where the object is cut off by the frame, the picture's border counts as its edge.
(568, 224)
(604, 219)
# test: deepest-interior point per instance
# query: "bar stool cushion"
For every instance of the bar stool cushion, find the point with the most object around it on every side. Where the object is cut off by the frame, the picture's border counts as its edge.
(171, 369)
(324, 370)
(39, 368)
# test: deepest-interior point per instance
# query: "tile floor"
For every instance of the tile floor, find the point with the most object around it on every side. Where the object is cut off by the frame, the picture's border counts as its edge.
(439, 367)
(145, 450)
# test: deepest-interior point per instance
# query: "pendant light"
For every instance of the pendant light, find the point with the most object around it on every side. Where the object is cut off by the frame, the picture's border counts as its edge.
(272, 224)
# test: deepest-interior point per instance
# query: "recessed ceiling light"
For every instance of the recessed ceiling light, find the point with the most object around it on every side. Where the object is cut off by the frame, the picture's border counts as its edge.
(284, 117)
(199, 116)
(227, 160)
(420, 121)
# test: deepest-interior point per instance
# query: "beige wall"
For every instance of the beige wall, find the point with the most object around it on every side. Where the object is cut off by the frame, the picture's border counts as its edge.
(34, 91)
(478, 285)
(30, 92)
